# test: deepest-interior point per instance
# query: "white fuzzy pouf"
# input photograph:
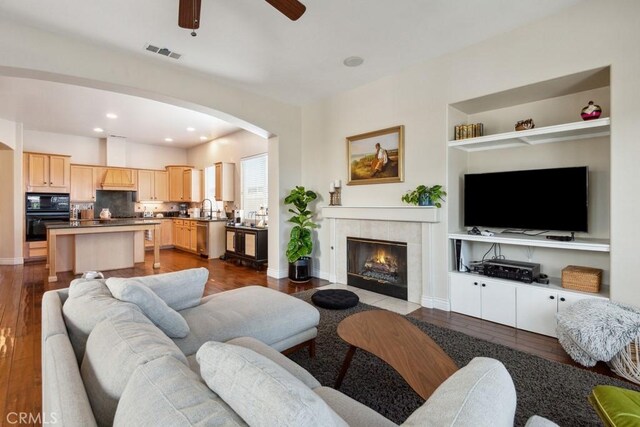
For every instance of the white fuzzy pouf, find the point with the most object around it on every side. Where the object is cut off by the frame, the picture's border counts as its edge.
(591, 329)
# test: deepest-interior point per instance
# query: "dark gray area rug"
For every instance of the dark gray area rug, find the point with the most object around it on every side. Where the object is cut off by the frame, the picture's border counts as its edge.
(549, 389)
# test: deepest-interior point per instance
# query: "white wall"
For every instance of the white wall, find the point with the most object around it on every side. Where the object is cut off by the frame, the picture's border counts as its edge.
(91, 151)
(12, 208)
(7, 134)
(145, 156)
(418, 98)
(230, 149)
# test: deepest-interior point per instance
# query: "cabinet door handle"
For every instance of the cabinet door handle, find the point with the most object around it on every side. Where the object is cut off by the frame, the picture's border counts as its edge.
(552, 297)
(475, 283)
(562, 299)
(484, 285)
(51, 183)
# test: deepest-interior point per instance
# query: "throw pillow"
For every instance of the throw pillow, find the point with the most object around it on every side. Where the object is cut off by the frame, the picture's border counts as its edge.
(179, 289)
(163, 316)
(260, 391)
(89, 302)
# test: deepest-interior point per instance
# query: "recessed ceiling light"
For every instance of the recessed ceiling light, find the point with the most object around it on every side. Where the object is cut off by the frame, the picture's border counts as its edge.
(98, 130)
(190, 129)
(112, 116)
(203, 138)
(168, 139)
(353, 61)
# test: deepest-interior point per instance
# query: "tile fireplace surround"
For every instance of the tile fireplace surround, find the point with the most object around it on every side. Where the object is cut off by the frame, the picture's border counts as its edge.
(411, 224)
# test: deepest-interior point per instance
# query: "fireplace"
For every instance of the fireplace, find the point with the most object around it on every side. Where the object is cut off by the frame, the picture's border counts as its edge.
(377, 265)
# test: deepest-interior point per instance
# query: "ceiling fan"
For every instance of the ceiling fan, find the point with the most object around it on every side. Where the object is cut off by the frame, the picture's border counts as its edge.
(189, 12)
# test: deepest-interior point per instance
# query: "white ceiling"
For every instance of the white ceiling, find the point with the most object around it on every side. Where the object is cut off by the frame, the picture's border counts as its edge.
(248, 44)
(75, 110)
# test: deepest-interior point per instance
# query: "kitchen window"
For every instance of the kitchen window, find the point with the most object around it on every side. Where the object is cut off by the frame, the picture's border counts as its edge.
(210, 183)
(255, 188)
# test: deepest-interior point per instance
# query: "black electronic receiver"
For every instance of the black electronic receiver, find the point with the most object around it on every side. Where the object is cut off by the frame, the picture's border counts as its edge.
(526, 272)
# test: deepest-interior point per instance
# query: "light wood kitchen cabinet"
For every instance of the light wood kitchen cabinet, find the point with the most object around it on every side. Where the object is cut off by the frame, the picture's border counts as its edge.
(225, 178)
(47, 173)
(193, 235)
(184, 184)
(153, 186)
(83, 188)
(182, 234)
(191, 189)
(166, 232)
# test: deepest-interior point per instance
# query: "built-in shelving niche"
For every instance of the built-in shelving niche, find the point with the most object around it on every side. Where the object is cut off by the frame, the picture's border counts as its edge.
(560, 139)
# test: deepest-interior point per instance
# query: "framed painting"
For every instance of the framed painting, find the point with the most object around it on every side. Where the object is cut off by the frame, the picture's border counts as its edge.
(376, 157)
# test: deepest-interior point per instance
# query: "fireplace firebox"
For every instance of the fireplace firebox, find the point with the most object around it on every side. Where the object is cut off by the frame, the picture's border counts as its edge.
(377, 265)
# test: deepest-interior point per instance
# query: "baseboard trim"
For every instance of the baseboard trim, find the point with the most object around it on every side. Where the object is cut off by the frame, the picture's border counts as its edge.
(438, 303)
(277, 274)
(320, 274)
(12, 261)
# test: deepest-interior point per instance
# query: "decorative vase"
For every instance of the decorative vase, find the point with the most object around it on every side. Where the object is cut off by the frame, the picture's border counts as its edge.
(425, 200)
(300, 270)
(591, 111)
(105, 213)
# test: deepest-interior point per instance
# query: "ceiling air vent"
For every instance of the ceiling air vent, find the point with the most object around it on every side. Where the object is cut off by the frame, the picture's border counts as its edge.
(162, 51)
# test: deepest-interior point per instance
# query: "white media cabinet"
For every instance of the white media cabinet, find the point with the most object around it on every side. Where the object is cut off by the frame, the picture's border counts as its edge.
(560, 139)
(531, 307)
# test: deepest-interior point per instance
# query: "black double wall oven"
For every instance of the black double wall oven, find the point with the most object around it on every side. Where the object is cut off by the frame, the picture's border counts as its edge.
(41, 208)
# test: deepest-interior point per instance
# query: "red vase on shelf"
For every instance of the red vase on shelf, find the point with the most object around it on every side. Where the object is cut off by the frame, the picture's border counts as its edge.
(591, 111)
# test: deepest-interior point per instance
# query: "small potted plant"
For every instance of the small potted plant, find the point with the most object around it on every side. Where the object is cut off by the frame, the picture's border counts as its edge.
(300, 240)
(425, 196)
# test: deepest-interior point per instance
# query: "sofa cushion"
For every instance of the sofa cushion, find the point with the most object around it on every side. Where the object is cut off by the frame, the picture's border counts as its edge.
(179, 289)
(283, 361)
(253, 311)
(259, 390)
(65, 400)
(163, 316)
(89, 302)
(353, 412)
(164, 392)
(480, 394)
(115, 348)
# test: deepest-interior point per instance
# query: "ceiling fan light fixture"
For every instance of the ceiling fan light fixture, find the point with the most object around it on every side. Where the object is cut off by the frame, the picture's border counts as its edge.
(353, 61)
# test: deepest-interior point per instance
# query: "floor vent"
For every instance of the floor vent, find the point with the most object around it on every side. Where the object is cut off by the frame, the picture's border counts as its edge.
(162, 51)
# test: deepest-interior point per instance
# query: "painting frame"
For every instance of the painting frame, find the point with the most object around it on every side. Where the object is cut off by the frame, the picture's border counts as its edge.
(363, 167)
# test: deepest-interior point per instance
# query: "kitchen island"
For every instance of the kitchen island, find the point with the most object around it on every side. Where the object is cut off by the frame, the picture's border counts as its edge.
(97, 245)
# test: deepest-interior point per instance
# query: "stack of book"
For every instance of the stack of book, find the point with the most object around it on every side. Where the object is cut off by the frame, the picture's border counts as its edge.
(469, 131)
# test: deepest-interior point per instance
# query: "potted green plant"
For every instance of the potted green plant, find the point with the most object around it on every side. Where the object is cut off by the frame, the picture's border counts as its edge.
(300, 240)
(425, 196)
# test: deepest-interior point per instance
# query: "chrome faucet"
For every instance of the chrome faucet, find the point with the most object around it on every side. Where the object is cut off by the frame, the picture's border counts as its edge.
(210, 210)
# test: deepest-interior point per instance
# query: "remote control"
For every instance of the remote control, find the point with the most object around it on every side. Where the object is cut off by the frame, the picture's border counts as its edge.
(560, 238)
(487, 233)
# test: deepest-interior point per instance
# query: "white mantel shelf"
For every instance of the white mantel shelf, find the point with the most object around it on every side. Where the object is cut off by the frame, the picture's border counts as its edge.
(429, 214)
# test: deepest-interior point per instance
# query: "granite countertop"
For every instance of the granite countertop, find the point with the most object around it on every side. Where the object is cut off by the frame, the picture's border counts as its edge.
(244, 227)
(201, 219)
(90, 223)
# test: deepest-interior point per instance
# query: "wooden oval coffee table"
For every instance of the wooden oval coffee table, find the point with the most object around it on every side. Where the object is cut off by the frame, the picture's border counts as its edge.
(408, 350)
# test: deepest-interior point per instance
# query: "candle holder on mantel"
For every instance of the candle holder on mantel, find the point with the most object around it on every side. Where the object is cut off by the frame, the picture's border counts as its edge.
(334, 193)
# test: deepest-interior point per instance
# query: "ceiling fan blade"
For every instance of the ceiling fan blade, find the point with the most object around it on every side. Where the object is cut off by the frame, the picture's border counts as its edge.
(292, 9)
(189, 14)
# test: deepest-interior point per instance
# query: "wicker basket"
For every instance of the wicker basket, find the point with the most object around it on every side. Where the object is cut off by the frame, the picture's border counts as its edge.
(585, 279)
(627, 363)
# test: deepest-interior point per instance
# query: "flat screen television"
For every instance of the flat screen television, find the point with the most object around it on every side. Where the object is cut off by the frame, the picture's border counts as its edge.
(539, 199)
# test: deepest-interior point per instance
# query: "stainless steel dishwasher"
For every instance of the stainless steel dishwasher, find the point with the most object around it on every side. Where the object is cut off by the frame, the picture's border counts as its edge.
(202, 232)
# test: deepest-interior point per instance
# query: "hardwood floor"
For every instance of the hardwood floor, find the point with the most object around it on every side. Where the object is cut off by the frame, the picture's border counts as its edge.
(21, 289)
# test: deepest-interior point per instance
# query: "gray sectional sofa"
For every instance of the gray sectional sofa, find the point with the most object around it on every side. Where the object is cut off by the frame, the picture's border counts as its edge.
(174, 358)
